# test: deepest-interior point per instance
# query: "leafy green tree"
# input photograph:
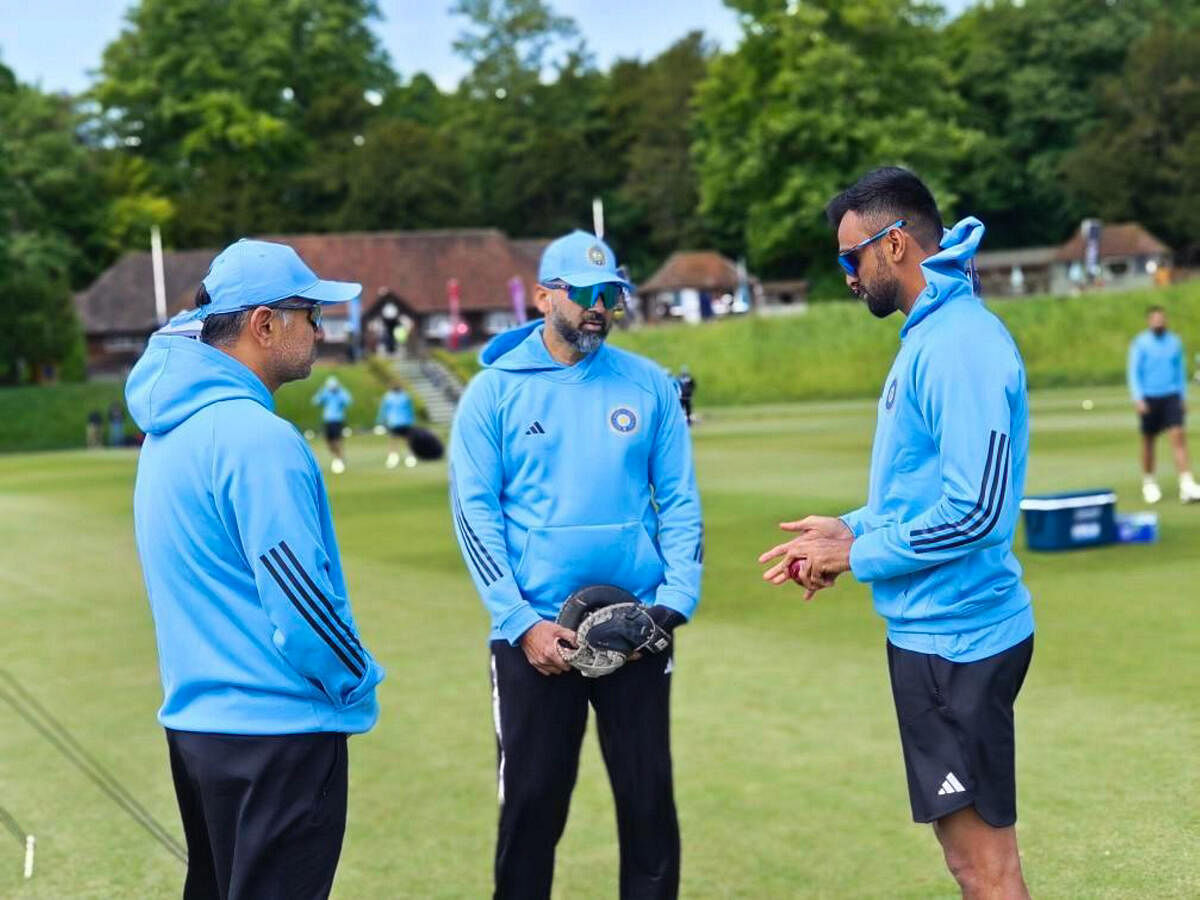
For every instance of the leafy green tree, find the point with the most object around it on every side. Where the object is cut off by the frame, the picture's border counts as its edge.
(227, 103)
(52, 207)
(53, 179)
(1141, 160)
(1027, 72)
(510, 42)
(40, 326)
(818, 92)
(404, 170)
(406, 175)
(654, 211)
(535, 151)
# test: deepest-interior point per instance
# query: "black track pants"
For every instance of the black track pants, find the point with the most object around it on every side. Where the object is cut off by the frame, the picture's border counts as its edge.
(540, 722)
(263, 816)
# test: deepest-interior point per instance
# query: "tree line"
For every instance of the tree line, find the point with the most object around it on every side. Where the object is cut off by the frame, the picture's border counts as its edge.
(216, 119)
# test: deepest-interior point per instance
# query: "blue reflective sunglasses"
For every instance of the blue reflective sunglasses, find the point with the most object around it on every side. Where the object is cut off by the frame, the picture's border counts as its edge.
(848, 259)
(610, 292)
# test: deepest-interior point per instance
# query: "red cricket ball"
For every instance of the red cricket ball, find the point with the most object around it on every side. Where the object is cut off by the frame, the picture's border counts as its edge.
(794, 570)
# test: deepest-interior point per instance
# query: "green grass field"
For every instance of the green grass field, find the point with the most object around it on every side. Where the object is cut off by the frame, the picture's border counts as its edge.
(789, 776)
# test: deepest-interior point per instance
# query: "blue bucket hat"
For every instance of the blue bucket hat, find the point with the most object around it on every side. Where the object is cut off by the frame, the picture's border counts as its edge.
(580, 259)
(258, 273)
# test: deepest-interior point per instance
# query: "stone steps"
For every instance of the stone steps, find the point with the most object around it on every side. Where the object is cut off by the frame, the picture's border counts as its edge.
(437, 387)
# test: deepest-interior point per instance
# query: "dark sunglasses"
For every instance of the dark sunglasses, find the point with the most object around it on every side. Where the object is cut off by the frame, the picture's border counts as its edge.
(610, 292)
(848, 259)
(315, 314)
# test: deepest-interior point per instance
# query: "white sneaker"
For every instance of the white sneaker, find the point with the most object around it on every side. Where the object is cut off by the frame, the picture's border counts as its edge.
(1189, 491)
(1151, 492)
(410, 461)
(393, 460)
(337, 466)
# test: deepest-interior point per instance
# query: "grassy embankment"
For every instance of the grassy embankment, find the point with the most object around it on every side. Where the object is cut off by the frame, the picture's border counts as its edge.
(837, 351)
(53, 417)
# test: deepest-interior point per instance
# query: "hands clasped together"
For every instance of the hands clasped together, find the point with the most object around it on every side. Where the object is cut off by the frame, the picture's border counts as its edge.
(815, 558)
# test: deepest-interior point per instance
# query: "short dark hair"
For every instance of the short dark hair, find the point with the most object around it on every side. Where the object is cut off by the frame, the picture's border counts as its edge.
(1151, 310)
(891, 193)
(222, 329)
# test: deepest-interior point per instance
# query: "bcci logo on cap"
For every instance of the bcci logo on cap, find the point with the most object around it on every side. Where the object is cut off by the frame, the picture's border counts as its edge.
(595, 255)
(623, 420)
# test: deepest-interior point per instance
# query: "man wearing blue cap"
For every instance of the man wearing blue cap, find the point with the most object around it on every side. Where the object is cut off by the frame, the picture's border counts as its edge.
(263, 671)
(571, 466)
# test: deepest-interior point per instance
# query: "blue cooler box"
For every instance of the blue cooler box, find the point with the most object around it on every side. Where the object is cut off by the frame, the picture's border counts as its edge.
(1070, 521)
(1137, 528)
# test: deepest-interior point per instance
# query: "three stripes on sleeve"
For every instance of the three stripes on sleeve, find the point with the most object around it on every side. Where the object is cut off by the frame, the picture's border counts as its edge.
(984, 515)
(314, 607)
(482, 561)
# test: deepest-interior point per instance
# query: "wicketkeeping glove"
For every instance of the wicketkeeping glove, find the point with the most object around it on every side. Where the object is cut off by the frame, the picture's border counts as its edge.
(610, 626)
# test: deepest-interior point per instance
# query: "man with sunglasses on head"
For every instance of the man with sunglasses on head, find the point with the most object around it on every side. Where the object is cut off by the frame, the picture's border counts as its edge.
(571, 466)
(935, 538)
(263, 671)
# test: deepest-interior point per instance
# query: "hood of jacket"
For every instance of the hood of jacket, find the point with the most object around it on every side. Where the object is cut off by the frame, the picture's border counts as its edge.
(179, 376)
(947, 272)
(524, 350)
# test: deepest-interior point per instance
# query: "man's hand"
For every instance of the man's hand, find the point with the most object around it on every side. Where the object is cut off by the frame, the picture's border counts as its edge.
(1142, 407)
(541, 643)
(815, 559)
(821, 526)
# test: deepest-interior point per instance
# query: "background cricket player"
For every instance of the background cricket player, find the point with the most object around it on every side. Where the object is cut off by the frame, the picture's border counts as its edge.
(935, 538)
(334, 400)
(1157, 377)
(571, 465)
(396, 414)
(263, 671)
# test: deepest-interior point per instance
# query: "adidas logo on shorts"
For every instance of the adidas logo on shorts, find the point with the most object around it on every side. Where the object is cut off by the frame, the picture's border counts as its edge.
(951, 785)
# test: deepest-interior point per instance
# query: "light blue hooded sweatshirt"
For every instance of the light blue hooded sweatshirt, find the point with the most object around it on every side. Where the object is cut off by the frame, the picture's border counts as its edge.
(395, 410)
(334, 401)
(255, 634)
(947, 473)
(1156, 366)
(565, 476)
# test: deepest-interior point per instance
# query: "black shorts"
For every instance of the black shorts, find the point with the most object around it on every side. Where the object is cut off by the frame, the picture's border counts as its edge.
(333, 430)
(1162, 413)
(956, 728)
(400, 430)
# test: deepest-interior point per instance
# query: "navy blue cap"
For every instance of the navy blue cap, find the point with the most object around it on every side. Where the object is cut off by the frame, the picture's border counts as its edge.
(580, 259)
(259, 273)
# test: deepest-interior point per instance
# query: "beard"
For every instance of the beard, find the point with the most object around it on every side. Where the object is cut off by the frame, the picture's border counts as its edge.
(882, 297)
(1160, 331)
(583, 340)
(295, 363)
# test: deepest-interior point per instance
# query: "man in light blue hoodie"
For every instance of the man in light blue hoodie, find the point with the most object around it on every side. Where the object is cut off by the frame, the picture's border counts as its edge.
(334, 400)
(263, 671)
(1157, 376)
(396, 414)
(571, 465)
(935, 538)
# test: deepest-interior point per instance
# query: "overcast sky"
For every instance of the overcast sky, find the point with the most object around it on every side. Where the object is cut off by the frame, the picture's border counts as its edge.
(57, 43)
